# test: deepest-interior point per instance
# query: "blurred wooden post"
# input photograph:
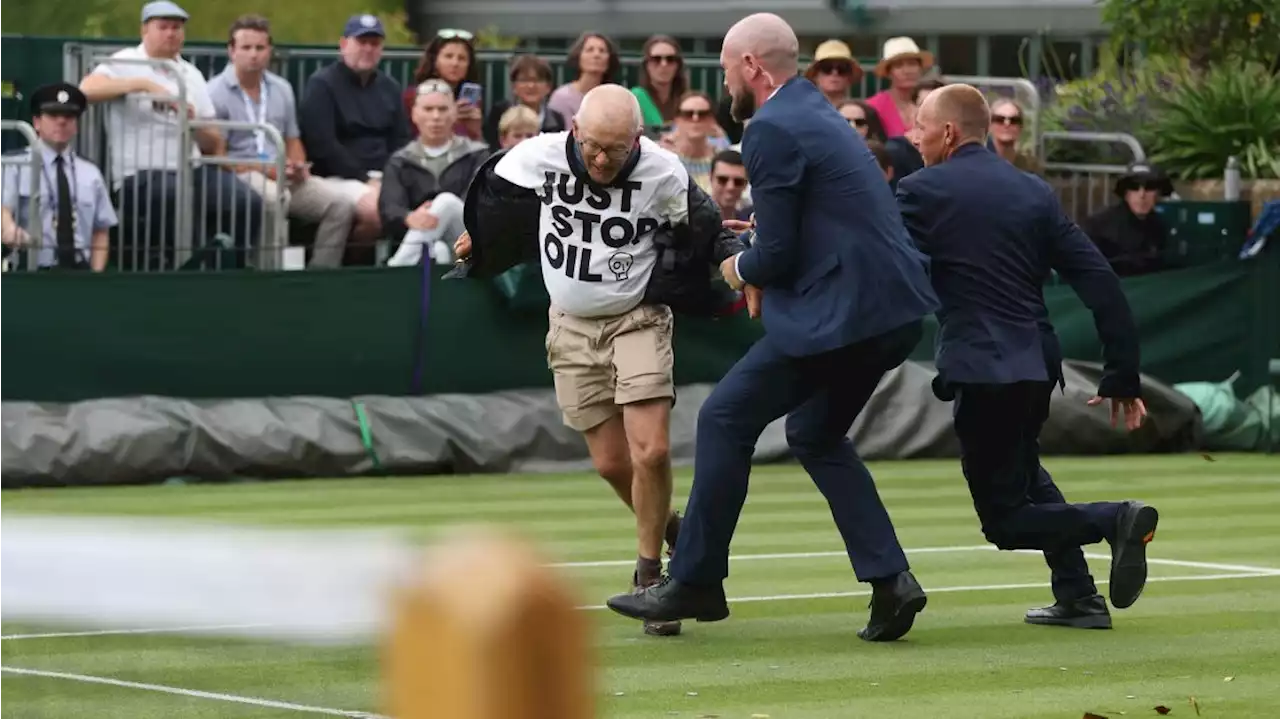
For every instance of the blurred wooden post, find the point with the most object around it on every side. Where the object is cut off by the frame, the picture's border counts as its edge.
(489, 632)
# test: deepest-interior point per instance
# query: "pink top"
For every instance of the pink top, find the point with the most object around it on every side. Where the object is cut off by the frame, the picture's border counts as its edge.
(883, 103)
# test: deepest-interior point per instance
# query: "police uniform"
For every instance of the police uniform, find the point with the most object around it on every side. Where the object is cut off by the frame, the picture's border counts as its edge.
(74, 202)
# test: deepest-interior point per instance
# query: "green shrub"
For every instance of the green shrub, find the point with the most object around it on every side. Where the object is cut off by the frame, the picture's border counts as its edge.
(1233, 109)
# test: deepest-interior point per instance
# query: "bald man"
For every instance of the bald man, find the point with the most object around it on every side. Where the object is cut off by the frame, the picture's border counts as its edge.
(845, 293)
(624, 237)
(993, 233)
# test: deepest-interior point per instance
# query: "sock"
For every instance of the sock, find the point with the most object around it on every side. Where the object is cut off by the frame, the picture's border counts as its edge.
(648, 571)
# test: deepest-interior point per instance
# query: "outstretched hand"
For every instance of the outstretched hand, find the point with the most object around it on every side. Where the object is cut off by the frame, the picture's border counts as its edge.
(462, 247)
(1135, 410)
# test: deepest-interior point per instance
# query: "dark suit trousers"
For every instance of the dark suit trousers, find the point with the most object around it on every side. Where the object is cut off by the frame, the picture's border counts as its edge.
(824, 394)
(1017, 502)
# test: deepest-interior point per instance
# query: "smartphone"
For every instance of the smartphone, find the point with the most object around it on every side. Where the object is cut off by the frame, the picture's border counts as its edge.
(472, 93)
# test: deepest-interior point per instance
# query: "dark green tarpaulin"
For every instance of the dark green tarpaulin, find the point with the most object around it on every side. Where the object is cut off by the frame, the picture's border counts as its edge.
(70, 337)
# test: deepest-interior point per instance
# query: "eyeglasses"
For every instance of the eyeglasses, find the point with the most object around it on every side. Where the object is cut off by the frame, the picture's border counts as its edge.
(727, 180)
(858, 122)
(615, 154)
(1015, 120)
(664, 59)
(696, 114)
(835, 68)
(454, 34)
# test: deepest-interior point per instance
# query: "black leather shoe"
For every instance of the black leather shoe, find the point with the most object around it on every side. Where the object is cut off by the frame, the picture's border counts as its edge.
(1084, 613)
(669, 600)
(895, 602)
(1135, 528)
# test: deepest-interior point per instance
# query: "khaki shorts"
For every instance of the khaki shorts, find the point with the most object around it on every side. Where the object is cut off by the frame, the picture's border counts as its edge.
(602, 363)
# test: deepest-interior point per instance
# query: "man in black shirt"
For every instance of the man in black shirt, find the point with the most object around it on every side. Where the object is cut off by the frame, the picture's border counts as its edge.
(352, 119)
(1130, 233)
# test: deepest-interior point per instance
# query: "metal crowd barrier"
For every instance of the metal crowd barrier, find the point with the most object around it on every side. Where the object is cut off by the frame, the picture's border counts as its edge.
(1087, 188)
(31, 219)
(273, 233)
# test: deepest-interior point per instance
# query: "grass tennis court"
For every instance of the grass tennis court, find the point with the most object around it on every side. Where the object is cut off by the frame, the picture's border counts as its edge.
(1208, 625)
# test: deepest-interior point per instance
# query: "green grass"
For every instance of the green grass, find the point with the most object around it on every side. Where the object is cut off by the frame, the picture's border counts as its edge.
(969, 655)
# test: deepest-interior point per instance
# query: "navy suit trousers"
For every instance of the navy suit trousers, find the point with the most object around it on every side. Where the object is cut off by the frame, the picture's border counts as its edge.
(824, 394)
(1017, 502)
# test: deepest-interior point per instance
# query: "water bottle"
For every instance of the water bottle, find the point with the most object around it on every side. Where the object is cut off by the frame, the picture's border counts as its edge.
(1231, 180)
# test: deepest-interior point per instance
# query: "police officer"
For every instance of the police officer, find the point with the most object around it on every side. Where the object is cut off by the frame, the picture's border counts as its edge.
(75, 207)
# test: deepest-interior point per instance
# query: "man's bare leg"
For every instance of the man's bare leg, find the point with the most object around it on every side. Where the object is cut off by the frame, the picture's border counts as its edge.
(647, 426)
(611, 455)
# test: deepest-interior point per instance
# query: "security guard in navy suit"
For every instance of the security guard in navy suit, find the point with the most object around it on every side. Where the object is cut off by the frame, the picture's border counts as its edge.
(993, 233)
(75, 208)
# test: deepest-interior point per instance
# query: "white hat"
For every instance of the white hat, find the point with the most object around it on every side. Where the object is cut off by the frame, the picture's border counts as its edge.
(902, 48)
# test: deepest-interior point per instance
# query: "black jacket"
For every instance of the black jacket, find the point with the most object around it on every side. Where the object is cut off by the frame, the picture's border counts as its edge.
(407, 183)
(503, 221)
(350, 126)
(1133, 246)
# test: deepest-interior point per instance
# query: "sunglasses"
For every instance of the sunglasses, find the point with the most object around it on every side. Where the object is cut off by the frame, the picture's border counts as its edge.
(453, 34)
(735, 181)
(858, 122)
(1015, 120)
(842, 69)
(1144, 187)
(694, 114)
(664, 59)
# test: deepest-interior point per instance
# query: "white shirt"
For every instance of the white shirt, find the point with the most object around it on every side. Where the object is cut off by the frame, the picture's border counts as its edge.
(597, 243)
(140, 135)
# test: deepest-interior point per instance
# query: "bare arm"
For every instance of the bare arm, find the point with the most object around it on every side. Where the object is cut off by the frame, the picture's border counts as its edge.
(98, 87)
(98, 250)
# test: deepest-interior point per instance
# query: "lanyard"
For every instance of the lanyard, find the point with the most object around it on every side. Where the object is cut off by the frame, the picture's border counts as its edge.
(69, 159)
(260, 137)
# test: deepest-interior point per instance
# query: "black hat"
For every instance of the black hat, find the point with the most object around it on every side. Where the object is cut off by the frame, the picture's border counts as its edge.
(60, 98)
(1143, 173)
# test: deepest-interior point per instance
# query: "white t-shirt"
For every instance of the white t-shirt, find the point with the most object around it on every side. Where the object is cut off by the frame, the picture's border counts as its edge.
(597, 243)
(141, 135)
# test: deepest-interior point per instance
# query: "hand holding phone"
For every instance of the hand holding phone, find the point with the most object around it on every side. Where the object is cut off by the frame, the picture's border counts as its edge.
(471, 93)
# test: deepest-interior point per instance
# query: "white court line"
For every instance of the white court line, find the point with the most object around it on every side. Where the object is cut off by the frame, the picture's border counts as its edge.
(1201, 565)
(971, 588)
(216, 696)
(141, 630)
(788, 555)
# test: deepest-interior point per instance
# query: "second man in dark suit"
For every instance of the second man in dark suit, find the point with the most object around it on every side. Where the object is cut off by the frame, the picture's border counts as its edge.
(993, 233)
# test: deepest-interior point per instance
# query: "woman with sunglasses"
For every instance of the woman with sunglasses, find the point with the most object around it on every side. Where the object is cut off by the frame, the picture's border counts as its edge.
(450, 56)
(662, 82)
(834, 71)
(692, 139)
(862, 118)
(1006, 135)
(594, 60)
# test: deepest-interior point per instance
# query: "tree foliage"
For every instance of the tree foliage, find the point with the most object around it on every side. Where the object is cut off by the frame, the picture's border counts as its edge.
(1205, 32)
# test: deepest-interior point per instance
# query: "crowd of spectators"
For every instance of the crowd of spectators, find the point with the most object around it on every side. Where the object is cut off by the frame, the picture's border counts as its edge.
(368, 159)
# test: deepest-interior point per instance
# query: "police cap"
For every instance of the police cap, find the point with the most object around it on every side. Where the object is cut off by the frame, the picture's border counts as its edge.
(60, 98)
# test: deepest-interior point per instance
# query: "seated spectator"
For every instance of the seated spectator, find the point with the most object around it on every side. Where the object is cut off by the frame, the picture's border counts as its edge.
(862, 118)
(883, 159)
(530, 78)
(729, 185)
(76, 212)
(695, 126)
(420, 204)
(1130, 234)
(1006, 134)
(662, 83)
(246, 91)
(450, 56)
(834, 70)
(352, 120)
(902, 62)
(145, 146)
(594, 60)
(516, 125)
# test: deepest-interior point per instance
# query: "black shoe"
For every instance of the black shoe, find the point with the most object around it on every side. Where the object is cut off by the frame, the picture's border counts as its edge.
(669, 600)
(1135, 527)
(652, 627)
(1084, 613)
(895, 602)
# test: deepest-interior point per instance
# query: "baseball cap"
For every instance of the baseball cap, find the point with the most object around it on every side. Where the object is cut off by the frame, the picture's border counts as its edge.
(164, 9)
(361, 25)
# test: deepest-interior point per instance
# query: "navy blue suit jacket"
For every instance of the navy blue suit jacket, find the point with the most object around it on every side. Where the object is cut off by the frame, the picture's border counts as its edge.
(831, 253)
(993, 233)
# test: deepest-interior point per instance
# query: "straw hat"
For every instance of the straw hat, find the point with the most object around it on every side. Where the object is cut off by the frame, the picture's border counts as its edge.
(834, 50)
(902, 48)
